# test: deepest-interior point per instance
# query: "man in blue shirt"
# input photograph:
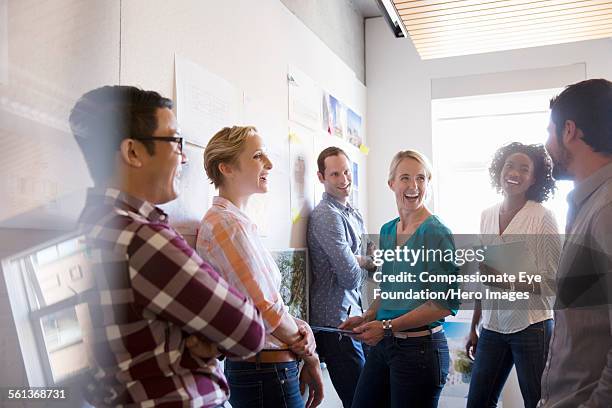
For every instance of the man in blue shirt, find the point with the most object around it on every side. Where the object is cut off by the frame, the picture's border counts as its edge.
(335, 233)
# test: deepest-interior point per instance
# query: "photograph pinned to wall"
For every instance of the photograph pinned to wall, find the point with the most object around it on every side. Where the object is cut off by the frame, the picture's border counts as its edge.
(304, 97)
(195, 195)
(338, 117)
(354, 128)
(205, 102)
(454, 394)
(355, 185)
(302, 167)
(326, 114)
(293, 266)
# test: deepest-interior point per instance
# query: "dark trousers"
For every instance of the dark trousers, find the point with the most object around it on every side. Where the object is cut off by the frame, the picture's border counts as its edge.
(344, 358)
(496, 353)
(404, 373)
(263, 385)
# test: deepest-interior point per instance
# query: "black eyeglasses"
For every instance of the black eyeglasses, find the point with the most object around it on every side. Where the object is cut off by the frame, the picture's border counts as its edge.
(177, 139)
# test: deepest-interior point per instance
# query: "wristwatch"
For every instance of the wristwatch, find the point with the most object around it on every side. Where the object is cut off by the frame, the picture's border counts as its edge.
(388, 328)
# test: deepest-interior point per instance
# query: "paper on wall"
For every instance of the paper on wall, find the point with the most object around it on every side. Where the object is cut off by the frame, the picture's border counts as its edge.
(205, 102)
(304, 99)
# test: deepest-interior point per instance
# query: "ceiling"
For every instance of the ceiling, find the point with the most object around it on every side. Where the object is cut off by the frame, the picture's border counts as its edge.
(444, 28)
(367, 8)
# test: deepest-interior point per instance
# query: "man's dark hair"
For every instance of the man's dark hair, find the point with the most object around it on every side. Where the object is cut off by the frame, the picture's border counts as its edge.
(330, 151)
(589, 105)
(544, 184)
(102, 118)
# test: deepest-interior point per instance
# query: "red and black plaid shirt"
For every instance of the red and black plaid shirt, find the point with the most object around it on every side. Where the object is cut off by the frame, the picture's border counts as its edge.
(152, 291)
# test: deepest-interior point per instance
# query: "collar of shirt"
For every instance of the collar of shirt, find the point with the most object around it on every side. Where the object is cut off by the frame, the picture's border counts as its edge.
(124, 201)
(225, 204)
(338, 204)
(584, 189)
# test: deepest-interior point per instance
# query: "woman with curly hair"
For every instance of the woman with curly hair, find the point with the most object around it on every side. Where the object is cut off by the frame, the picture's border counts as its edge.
(516, 333)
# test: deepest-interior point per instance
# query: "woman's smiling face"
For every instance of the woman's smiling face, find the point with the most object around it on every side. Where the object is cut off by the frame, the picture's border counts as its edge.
(517, 174)
(410, 184)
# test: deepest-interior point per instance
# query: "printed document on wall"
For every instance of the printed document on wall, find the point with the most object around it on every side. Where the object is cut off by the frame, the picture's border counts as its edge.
(304, 99)
(205, 102)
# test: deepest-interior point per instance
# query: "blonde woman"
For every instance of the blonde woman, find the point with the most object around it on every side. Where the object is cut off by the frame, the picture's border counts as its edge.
(236, 162)
(408, 363)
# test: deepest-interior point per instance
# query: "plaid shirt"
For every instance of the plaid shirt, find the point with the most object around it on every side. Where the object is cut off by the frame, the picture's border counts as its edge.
(228, 239)
(153, 291)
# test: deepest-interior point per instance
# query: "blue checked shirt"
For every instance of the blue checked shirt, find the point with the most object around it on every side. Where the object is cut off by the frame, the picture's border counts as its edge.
(334, 238)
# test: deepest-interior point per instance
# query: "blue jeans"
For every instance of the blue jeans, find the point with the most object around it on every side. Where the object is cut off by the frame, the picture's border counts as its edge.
(262, 385)
(404, 373)
(496, 353)
(344, 358)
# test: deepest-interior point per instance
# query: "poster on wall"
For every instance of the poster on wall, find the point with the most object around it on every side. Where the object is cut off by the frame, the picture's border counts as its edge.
(354, 128)
(302, 167)
(194, 198)
(205, 102)
(338, 117)
(454, 394)
(326, 115)
(304, 97)
(355, 186)
(3, 41)
(293, 266)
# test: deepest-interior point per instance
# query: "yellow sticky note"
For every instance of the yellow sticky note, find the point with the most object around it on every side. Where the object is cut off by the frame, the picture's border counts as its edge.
(293, 137)
(364, 149)
(296, 216)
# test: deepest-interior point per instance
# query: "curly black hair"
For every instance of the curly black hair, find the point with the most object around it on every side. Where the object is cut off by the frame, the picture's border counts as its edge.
(544, 185)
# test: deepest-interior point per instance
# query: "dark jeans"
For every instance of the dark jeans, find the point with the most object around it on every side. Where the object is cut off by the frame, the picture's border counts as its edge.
(261, 385)
(344, 358)
(404, 373)
(496, 353)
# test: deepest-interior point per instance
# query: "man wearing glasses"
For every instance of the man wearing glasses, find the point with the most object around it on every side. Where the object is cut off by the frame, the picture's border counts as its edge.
(159, 313)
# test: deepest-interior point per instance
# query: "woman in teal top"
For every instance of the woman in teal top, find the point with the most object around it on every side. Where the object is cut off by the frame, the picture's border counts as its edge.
(408, 363)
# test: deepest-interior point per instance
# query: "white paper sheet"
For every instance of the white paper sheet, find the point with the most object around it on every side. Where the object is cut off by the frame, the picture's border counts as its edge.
(205, 102)
(304, 99)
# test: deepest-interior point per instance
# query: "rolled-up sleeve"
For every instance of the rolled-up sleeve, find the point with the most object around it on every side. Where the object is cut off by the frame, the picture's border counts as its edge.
(170, 280)
(329, 232)
(234, 252)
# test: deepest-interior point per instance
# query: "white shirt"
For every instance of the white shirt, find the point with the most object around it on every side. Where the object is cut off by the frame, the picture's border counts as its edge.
(537, 226)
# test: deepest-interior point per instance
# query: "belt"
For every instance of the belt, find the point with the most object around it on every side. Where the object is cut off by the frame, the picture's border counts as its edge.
(405, 335)
(269, 356)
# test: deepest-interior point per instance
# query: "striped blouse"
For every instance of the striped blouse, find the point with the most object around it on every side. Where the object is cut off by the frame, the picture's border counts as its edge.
(228, 240)
(537, 226)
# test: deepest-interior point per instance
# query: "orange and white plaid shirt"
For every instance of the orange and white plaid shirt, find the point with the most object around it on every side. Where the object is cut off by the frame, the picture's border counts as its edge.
(228, 240)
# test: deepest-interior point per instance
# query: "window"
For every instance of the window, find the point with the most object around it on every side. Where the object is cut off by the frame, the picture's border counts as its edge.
(466, 133)
(45, 290)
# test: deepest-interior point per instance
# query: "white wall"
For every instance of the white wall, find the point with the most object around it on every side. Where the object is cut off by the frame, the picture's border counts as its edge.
(399, 95)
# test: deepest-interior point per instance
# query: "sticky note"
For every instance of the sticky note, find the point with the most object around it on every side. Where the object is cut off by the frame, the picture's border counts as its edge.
(296, 216)
(293, 137)
(364, 149)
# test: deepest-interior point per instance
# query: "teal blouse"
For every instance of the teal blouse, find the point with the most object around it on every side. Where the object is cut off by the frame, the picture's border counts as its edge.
(431, 234)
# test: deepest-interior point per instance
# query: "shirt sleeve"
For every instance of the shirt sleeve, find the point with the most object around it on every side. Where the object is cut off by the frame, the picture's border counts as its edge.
(170, 280)
(602, 241)
(548, 244)
(229, 246)
(328, 231)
